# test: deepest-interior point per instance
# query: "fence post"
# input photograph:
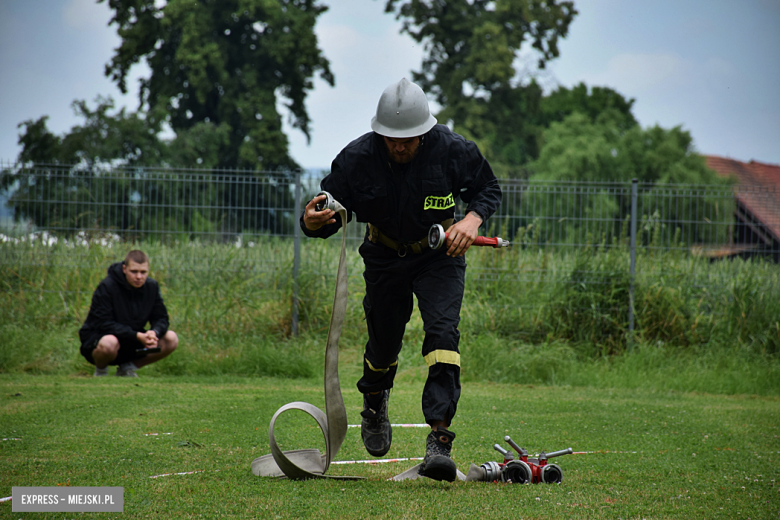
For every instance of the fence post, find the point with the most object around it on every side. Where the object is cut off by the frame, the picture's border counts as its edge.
(632, 268)
(296, 251)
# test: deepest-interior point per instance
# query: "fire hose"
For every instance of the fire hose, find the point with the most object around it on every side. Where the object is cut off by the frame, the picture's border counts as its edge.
(310, 463)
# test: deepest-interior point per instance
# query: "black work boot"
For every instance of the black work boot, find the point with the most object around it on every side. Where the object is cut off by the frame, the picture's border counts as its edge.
(375, 428)
(437, 463)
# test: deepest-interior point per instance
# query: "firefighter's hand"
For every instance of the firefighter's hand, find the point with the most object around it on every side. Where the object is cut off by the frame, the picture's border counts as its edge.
(462, 234)
(313, 219)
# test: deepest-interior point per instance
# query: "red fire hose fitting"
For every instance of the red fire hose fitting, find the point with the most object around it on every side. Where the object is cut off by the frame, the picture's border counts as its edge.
(437, 237)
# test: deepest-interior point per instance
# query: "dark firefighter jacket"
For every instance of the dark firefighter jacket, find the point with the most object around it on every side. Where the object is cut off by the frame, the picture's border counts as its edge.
(404, 201)
(122, 310)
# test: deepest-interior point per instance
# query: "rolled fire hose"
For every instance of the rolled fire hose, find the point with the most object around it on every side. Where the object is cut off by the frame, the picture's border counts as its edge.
(310, 463)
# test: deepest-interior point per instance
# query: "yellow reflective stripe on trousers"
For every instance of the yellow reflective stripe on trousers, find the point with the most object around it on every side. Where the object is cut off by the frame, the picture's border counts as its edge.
(442, 356)
(383, 370)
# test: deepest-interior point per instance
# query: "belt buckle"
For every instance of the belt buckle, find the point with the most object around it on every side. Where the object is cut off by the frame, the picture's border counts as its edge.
(402, 250)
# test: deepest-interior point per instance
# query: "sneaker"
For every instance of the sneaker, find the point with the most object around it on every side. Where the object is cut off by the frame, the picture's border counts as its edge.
(375, 428)
(100, 372)
(127, 370)
(437, 463)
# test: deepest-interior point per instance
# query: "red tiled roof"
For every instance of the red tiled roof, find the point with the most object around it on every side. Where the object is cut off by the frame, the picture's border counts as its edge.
(758, 188)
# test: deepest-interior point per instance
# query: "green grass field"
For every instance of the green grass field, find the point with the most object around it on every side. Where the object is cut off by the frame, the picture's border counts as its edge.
(650, 454)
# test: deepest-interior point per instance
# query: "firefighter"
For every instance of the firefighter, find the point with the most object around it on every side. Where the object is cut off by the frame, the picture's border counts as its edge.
(401, 179)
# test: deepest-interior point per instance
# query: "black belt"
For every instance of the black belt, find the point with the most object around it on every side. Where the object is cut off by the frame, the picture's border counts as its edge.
(376, 235)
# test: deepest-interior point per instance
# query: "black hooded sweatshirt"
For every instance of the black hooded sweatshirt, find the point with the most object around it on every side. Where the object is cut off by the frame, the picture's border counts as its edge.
(122, 310)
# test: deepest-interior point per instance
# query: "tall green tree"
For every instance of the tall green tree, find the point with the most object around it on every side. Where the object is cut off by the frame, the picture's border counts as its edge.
(596, 103)
(104, 174)
(103, 137)
(599, 150)
(471, 45)
(513, 121)
(219, 69)
(472, 48)
(224, 63)
(89, 177)
(581, 148)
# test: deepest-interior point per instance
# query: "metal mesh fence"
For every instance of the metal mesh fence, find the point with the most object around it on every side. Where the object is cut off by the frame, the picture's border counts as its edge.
(145, 203)
(221, 205)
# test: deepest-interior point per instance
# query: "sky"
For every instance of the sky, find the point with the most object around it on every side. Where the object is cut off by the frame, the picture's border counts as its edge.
(711, 67)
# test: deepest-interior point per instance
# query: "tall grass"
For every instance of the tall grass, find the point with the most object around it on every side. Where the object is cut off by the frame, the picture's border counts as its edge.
(530, 315)
(582, 298)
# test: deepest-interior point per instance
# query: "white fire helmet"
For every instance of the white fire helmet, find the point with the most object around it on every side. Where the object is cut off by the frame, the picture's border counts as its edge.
(402, 111)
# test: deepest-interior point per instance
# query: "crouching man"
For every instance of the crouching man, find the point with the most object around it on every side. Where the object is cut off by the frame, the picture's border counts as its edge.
(114, 332)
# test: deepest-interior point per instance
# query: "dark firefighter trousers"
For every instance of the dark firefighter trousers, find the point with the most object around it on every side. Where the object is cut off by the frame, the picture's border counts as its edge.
(437, 281)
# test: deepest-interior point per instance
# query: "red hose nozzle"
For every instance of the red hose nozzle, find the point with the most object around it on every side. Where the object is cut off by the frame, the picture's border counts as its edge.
(437, 237)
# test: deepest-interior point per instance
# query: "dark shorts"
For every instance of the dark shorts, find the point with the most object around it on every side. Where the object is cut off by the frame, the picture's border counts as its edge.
(127, 352)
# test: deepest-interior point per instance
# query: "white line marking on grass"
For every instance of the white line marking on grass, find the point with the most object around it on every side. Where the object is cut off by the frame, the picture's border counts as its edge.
(183, 473)
(375, 461)
(602, 452)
